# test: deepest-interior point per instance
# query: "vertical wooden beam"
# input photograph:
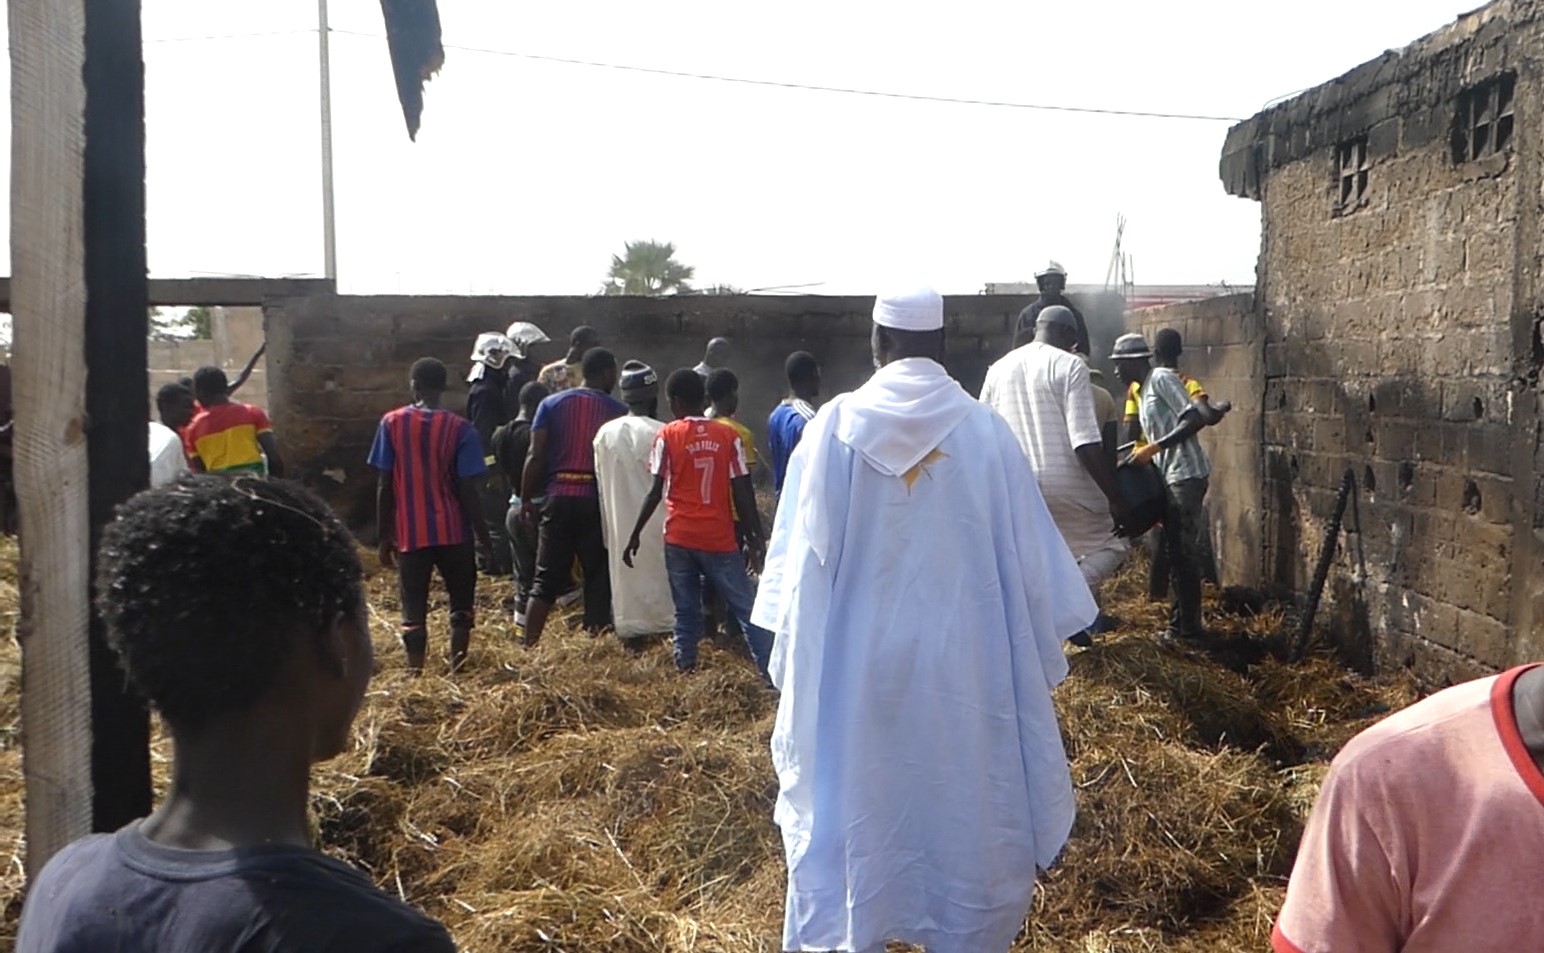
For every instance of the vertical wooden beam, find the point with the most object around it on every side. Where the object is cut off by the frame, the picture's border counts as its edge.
(117, 328)
(79, 301)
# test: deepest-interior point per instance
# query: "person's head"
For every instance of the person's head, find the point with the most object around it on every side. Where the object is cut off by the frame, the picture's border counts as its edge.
(908, 324)
(640, 389)
(724, 392)
(210, 386)
(803, 373)
(1132, 358)
(600, 369)
(174, 404)
(1167, 347)
(283, 642)
(492, 349)
(1057, 327)
(581, 340)
(717, 354)
(1052, 281)
(531, 396)
(428, 380)
(687, 392)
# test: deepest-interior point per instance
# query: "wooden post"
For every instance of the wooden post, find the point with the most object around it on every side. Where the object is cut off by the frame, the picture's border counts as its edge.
(79, 298)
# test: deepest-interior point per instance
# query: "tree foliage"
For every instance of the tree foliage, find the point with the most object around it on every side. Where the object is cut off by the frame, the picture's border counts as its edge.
(194, 324)
(648, 268)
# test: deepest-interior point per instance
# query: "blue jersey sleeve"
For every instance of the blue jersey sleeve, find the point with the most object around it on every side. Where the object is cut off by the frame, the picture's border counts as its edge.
(469, 455)
(382, 455)
(544, 411)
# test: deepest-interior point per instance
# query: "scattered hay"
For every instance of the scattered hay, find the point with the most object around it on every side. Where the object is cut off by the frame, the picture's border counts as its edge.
(581, 797)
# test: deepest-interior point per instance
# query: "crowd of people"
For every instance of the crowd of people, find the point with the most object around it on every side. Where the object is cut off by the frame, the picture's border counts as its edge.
(930, 554)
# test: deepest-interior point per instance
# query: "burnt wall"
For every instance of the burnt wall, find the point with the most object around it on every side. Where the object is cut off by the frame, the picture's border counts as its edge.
(1398, 345)
(1224, 349)
(336, 363)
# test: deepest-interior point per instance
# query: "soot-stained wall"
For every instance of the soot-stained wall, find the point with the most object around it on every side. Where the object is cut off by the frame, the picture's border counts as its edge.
(1401, 343)
(336, 363)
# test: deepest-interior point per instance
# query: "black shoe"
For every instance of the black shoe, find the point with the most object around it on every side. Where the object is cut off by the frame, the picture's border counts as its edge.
(1105, 623)
(1082, 640)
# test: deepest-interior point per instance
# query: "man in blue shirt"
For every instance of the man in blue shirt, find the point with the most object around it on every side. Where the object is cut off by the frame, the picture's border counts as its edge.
(786, 425)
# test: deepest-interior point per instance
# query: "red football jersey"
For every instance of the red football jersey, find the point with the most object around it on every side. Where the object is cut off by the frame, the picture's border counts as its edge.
(698, 458)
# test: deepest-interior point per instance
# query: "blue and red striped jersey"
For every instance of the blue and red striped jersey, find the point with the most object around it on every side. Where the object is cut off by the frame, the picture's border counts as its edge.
(571, 419)
(426, 452)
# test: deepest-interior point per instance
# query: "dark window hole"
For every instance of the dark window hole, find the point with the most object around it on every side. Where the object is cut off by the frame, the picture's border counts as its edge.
(1479, 408)
(1406, 476)
(1369, 481)
(1294, 466)
(1372, 403)
(1371, 438)
(1472, 500)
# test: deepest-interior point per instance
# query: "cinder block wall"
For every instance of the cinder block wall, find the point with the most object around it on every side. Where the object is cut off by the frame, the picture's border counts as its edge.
(336, 363)
(1224, 349)
(1400, 343)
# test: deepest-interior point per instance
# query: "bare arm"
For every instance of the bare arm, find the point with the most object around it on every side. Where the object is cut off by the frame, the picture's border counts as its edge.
(646, 513)
(1092, 457)
(750, 520)
(535, 468)
(385, 522)
(270, 445)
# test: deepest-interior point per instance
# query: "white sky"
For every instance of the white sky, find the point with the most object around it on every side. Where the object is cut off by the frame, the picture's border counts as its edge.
(527, 176)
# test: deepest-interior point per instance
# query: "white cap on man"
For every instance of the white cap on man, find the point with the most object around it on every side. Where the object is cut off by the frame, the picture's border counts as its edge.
(920, 309)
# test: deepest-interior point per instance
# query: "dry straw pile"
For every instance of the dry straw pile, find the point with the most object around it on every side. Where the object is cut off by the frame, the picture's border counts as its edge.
(579, 798)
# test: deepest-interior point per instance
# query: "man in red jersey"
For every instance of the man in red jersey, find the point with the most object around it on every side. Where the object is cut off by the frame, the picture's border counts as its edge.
(431, 463)
(699, 467)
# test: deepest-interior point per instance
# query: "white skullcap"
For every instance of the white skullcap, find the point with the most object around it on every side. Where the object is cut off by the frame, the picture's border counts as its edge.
(921, 309)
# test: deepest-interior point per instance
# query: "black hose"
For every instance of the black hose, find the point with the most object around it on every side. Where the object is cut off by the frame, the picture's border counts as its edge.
(1322, 571)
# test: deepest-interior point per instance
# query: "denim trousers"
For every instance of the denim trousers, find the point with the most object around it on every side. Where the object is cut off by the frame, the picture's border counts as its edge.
(725, 572)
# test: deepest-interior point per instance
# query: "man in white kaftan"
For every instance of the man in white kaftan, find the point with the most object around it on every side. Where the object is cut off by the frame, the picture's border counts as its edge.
(919, 594)
(640, 597)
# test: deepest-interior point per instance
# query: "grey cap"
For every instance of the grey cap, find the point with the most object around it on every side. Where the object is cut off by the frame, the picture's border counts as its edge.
(1129, 347)
(1060, 315)
(639, 382)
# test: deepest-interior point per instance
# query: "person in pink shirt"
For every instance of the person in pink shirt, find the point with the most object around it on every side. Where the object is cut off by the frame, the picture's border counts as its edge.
(1429, 830)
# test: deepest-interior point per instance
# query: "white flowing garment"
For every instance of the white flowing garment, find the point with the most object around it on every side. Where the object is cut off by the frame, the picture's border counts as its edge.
(167, 461)
(640, 596)
(919, 594)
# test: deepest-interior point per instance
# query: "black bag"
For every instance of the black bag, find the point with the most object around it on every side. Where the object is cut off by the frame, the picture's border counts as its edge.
(1143, 490)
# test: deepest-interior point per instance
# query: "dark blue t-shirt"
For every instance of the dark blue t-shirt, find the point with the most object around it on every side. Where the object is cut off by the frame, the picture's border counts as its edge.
(122, 893)
(784, 430)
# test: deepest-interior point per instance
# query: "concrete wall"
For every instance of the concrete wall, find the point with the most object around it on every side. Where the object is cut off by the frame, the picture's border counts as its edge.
(1224, 349)
(1399, 342)
(336, 363)
(236, 334)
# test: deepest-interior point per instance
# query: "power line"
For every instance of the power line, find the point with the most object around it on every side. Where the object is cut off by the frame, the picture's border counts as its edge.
(226, 36)
(810, 87)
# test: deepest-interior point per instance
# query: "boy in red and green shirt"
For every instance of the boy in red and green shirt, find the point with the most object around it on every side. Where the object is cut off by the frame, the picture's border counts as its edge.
(700, 471)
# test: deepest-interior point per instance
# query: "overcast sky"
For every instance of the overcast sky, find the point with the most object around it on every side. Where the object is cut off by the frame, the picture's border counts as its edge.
(528, 175)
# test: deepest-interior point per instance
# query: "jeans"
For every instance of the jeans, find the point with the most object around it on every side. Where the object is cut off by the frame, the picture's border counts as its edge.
(726, 573)
(1184, 527)
(457, 566)
(1158, 575)
(522, 545)
(570, 526)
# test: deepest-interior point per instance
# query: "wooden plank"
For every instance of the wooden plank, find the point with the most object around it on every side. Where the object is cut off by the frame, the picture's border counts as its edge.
(117, 326)
(48, 100)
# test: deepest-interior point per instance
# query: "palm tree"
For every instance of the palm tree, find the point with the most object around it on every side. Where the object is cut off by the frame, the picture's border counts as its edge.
(648, 268)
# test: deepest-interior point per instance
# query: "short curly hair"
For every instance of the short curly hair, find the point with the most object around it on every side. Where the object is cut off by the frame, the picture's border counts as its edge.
(207, 586)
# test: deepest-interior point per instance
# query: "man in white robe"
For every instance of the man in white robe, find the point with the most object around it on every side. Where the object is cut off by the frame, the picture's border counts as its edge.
(640, 597)
(919, 593)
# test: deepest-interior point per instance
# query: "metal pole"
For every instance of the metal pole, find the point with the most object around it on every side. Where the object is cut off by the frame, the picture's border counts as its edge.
(329, 229)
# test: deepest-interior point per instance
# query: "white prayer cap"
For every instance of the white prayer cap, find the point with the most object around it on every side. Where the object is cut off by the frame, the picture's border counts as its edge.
(921, 309)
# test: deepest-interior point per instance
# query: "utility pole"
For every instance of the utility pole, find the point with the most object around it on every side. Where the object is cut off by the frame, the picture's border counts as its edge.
(329, 228)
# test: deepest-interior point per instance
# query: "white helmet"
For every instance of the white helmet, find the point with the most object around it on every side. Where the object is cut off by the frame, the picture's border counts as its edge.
(492, 349)
(1054, 268)
(522, 334)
